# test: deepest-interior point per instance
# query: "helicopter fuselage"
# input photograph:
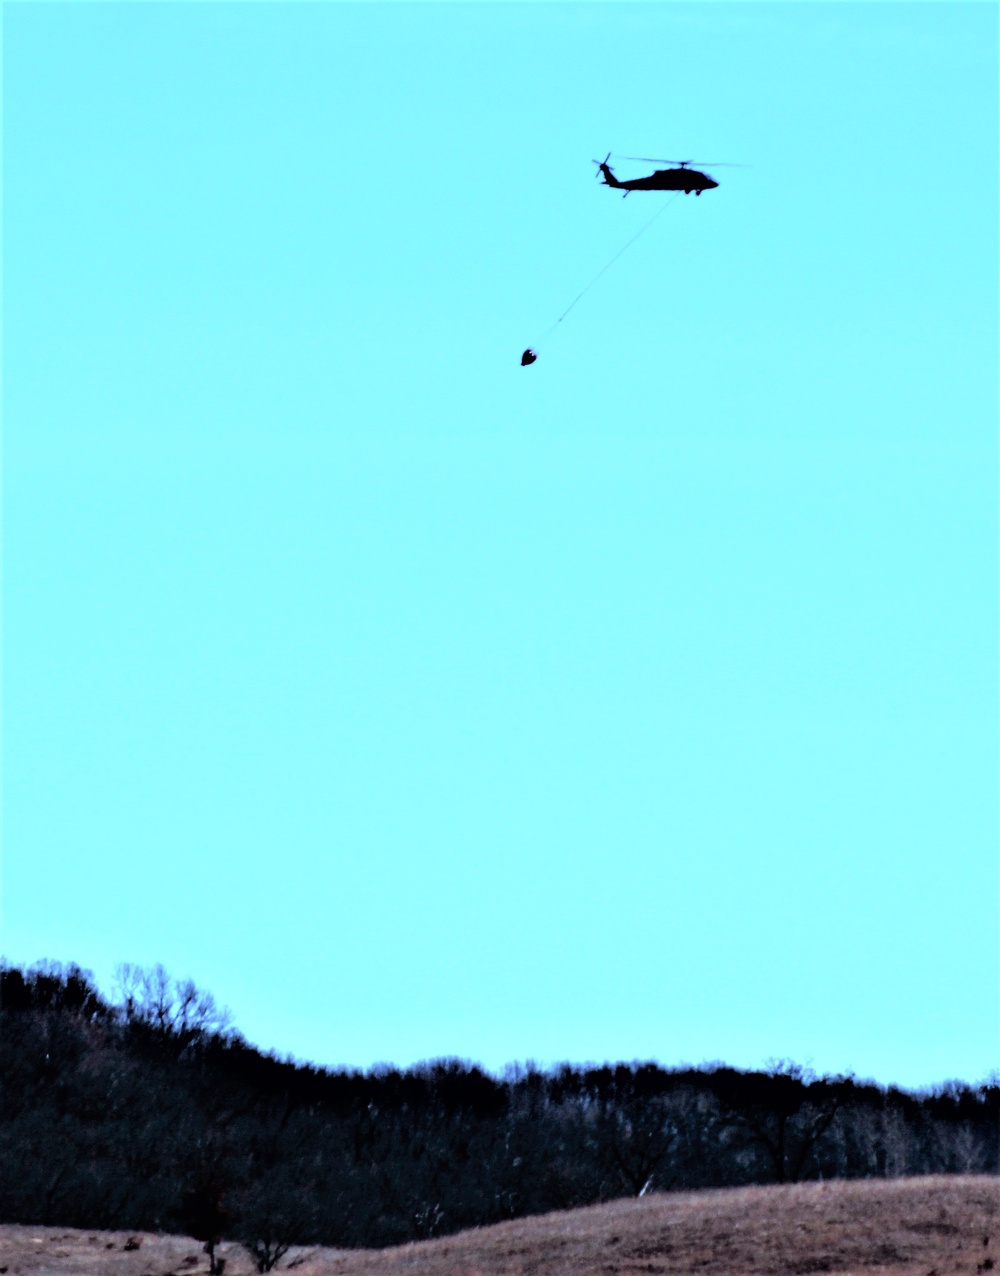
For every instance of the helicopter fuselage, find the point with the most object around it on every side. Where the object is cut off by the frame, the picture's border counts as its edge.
(664, 179)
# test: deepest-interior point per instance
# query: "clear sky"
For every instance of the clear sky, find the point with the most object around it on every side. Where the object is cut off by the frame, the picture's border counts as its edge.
(638, 704)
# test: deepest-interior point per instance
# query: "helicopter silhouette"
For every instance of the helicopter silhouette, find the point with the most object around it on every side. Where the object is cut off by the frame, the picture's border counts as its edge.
(679, 178)
(682, 177)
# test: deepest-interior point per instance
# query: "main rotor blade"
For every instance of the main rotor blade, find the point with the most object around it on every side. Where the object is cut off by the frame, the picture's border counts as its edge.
(652, 159)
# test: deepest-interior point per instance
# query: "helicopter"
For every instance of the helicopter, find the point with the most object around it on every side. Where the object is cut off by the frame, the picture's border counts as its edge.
(680, 178)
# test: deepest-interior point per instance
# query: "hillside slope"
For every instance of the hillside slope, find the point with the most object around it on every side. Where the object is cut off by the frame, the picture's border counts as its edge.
(896, 1227)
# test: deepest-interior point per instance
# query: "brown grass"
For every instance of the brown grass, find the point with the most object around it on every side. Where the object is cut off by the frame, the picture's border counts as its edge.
(896, 1227)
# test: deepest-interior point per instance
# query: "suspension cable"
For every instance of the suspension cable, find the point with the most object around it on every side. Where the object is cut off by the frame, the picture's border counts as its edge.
(604, 269)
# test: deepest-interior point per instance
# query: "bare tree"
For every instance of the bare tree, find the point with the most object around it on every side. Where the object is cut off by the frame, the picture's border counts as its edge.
(205, 1216)
(784, 1114)
(174, 1007)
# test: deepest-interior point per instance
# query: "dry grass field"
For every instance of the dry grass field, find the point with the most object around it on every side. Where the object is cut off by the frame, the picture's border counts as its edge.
(896, 1227)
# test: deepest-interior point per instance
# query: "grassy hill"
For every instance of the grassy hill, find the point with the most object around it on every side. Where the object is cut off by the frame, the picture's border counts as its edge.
(933, 1226)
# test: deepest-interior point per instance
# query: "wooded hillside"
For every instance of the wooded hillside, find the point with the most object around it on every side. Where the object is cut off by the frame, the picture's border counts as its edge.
(150, 1113)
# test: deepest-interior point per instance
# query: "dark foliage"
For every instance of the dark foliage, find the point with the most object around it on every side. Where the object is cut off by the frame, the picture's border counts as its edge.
(203, 1214)
(151, 1113)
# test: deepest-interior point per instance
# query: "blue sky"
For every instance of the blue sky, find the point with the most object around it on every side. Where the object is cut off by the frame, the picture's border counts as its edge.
(638, 704)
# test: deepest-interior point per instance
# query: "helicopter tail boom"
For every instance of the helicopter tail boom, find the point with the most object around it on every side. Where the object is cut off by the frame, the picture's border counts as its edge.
(609, 177)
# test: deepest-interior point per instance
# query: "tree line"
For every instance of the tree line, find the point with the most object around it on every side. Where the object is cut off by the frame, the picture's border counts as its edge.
(148, 1111)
